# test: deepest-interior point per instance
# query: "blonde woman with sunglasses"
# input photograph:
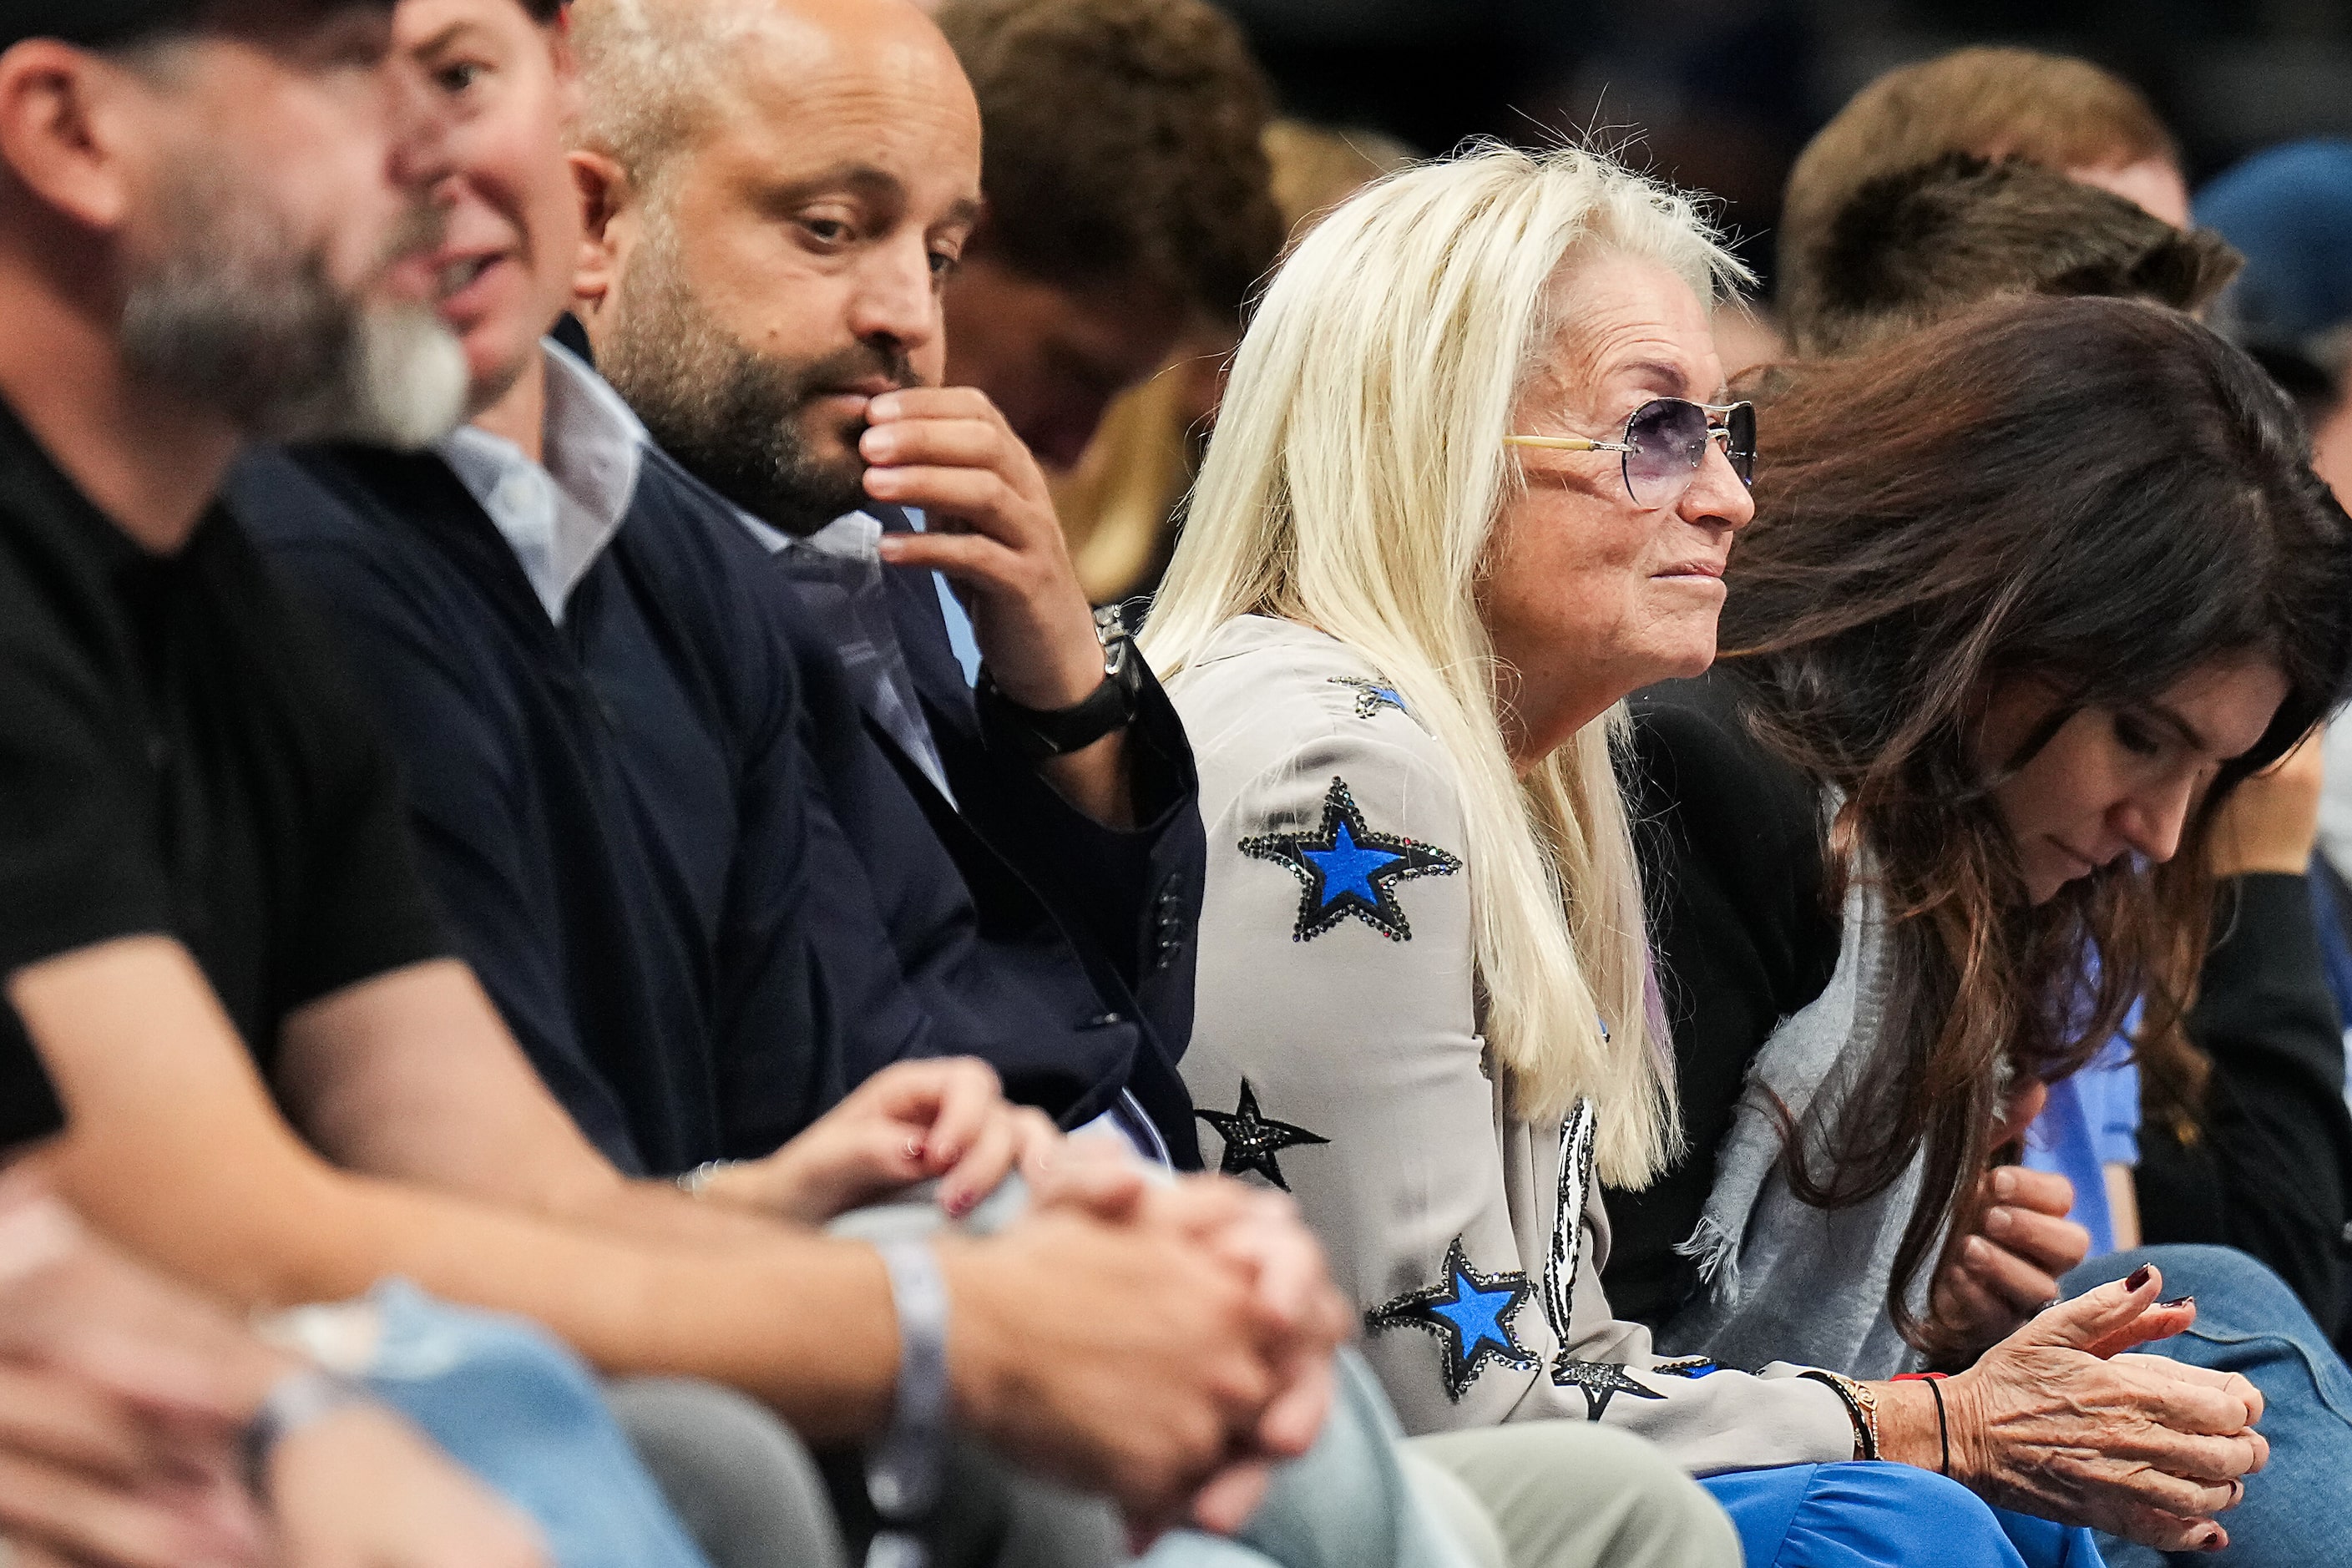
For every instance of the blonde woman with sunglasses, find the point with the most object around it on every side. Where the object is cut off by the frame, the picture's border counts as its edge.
(1477, 480)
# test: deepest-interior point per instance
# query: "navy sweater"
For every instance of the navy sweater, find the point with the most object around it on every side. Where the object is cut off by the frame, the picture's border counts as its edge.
(618, 815)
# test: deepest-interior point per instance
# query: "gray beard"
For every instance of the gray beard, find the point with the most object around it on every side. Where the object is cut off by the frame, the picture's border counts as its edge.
(238, 317)
(725, 411)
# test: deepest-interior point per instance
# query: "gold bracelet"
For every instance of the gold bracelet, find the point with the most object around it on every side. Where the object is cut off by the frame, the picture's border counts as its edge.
(1861, 1407)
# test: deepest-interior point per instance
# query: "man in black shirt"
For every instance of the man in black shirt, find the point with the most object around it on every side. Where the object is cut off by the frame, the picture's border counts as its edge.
(209, 932)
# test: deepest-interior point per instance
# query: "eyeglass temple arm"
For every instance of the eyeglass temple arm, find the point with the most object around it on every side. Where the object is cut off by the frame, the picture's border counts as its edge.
(1566, 444)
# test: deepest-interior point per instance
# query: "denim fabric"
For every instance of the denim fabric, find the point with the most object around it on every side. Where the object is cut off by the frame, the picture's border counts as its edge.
(1885, 1516)
(521, 1412)
(2249, 1323)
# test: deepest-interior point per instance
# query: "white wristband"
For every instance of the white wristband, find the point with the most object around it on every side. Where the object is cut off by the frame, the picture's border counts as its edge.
(905, 1469)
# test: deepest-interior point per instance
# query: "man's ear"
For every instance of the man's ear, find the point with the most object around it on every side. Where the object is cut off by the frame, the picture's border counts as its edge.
(66, 118)
(605, 227)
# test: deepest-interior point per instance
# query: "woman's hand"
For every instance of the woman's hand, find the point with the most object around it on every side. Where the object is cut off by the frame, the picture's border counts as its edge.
(908, 1123)
(2055, 1421)
(1995, 1280)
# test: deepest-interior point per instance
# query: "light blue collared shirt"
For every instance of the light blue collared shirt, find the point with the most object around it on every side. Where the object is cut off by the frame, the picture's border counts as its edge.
(557, 516)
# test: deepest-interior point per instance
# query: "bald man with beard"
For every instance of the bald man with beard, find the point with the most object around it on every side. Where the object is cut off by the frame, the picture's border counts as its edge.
(1008, 769)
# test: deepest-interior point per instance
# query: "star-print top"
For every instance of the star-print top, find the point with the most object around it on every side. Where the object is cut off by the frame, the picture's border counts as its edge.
(1336, 1054)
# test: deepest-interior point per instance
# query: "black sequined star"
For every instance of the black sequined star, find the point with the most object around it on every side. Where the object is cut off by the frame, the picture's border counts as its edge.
(1469, 1313)
(1600, 1381)
(1349, 869)
(1372, 696)
(1252, 1141)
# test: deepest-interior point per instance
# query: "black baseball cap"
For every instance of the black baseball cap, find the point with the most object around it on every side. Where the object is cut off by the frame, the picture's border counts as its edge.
(101, 24)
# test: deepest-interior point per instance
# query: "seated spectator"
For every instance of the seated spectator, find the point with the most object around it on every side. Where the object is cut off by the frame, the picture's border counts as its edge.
(1911, 246)
(1129, 203)
(2063, 114)
(2289, 209)
(597, 735)
(1399, 627)
(236, 1041)
(2232, 1103)
(1036, 870)
(133, 1416)
(1119, 503)
(1946, 816)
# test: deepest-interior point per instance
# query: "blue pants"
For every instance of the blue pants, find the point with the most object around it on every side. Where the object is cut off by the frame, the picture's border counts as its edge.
(529, 1421)
(2249, 1323)
(1885, 1516)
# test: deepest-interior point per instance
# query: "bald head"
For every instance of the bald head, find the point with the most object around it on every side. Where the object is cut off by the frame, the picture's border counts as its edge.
(777, 191)
(662, 73)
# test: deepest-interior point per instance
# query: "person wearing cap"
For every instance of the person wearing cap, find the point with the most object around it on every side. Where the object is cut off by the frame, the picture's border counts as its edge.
(141, 146)
(236, 1042)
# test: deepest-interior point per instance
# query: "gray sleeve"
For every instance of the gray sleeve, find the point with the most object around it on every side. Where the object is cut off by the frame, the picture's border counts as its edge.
(1337, 1053)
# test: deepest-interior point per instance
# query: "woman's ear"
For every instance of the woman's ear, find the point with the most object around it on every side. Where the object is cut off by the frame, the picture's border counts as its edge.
(607, 228)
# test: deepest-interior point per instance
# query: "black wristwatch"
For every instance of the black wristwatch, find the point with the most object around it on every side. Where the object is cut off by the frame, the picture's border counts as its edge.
(1111, 706)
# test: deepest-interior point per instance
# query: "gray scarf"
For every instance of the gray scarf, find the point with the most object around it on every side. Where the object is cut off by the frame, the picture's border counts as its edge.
(1781, 1279)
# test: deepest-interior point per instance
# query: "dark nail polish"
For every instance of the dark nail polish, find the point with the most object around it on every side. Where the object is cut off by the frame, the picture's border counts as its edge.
(2141, 1276)
(2179, 1301)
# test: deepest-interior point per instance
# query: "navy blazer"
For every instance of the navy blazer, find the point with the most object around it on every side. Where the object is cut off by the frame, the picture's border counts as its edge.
(1076, 943)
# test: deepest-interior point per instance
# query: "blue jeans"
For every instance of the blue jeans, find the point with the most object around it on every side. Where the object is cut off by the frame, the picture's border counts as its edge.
(529, 1421)
(1885, 1516)
(2249, 1323)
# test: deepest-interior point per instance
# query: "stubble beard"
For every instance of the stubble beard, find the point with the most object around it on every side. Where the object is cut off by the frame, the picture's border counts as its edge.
(732, 415)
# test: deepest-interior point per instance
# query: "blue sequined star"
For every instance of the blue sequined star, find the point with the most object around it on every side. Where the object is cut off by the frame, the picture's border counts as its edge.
(1347, 869)
(1372, 696)
(1469, 1313)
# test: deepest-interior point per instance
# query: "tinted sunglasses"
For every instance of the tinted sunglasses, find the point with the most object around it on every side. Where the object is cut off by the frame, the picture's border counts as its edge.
(1665, 444)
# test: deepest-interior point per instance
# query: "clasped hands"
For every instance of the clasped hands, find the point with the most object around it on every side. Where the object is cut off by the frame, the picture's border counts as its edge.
(1192, 1319)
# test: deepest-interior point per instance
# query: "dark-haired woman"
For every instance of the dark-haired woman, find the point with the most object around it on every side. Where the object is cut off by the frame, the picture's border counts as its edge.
(2027, 595)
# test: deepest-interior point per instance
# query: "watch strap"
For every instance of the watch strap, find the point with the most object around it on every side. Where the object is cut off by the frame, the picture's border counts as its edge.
(1037, 734)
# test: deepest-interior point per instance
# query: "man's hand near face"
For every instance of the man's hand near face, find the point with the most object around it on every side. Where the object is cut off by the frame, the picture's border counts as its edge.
(992, 529)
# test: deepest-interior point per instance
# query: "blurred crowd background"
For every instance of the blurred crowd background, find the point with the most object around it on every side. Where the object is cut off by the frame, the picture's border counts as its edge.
(1720, 94)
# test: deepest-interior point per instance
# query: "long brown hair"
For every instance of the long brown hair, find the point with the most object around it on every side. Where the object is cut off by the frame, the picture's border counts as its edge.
(2098, 494)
